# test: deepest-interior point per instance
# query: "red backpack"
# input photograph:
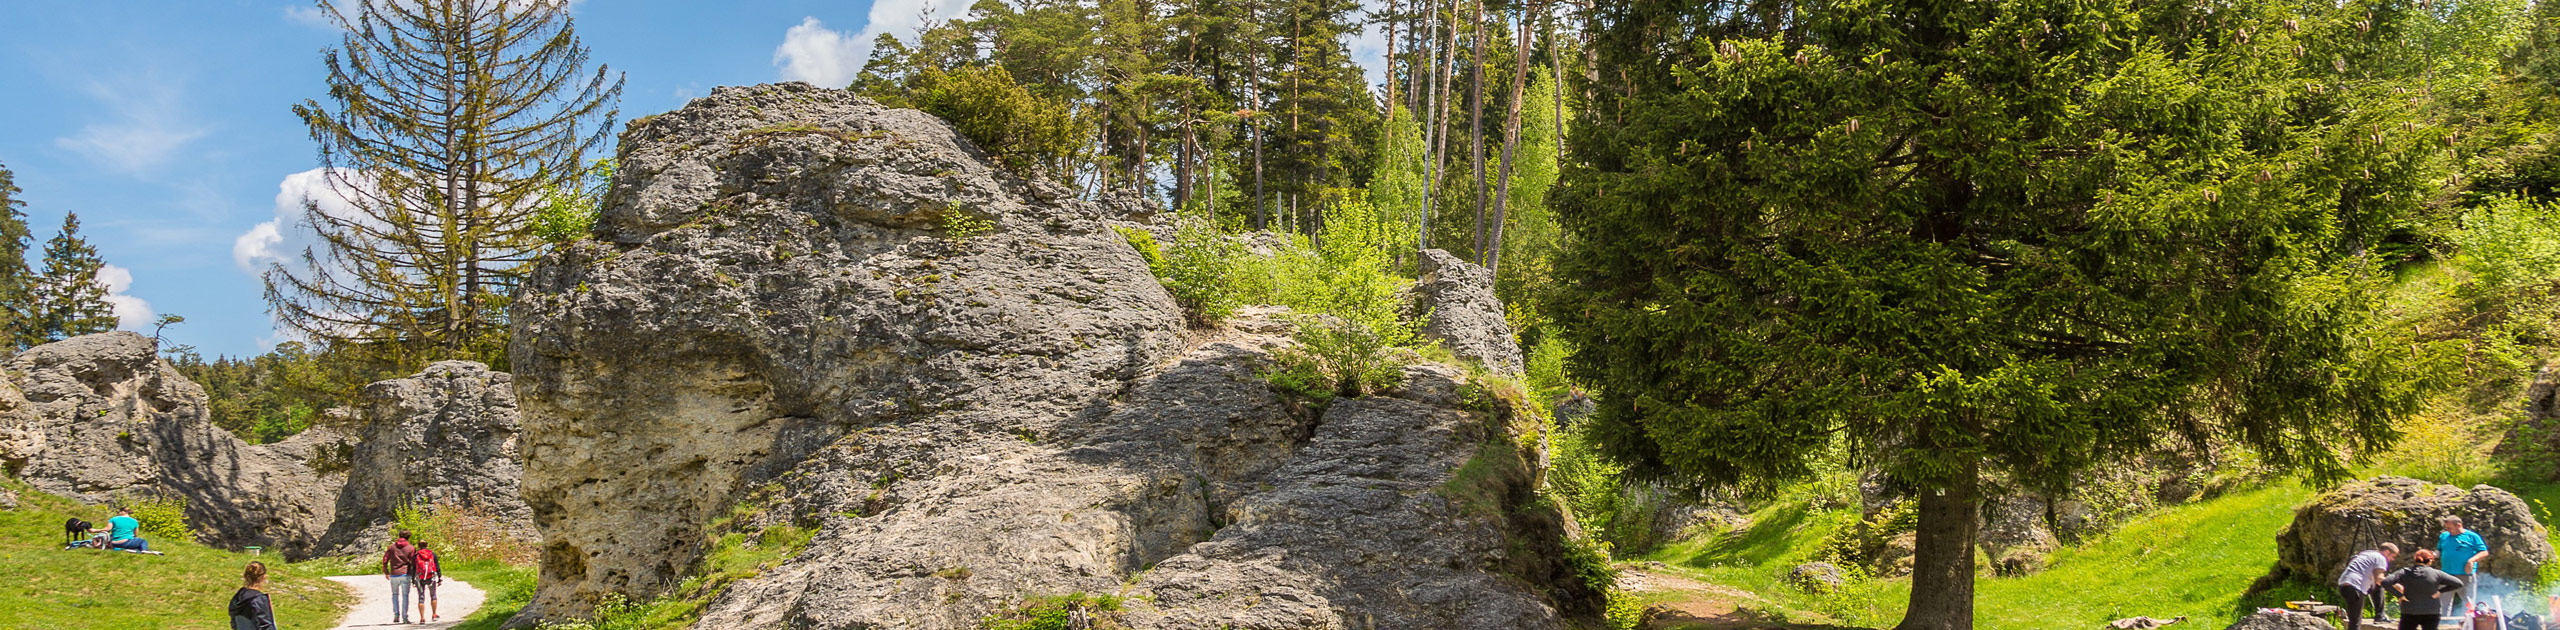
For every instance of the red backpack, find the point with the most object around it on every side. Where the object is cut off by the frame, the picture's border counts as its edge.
(427, 569)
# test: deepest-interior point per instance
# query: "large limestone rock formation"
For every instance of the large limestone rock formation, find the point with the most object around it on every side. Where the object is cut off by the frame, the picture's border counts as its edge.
(1465, 316)
(804, 307)
(101, 418)
(444, 437)
(2363, 515)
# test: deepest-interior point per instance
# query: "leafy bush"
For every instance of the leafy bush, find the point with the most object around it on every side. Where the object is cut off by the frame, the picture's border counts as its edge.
(163, 518)
(569, 213)
(1057, 612)
(1197, 268)
(462, 534)
(1025, 132)
(959, 225)
(1350, 357)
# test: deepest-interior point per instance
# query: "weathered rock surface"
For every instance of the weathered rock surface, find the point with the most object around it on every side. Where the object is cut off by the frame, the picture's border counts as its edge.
(775, 318)
(103, 419)
(444, 437)
(2330, 529)
(1816, 577)
(1465, 316)
(2280, 620)
(2014, 534)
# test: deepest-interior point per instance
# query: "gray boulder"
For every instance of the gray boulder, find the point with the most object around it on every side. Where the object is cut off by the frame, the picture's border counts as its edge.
(1816, 577)
(2014, 535)
(445, 437)
(779, 324)
(2280, 620)
(2334, 526)
(102, 419)
(1465, 315)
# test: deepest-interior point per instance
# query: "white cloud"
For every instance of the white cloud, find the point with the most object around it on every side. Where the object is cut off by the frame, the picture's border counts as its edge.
(282, 239)
(132, 313)
(147, 126)
(828, 58)
(821, 56)
(309, 16)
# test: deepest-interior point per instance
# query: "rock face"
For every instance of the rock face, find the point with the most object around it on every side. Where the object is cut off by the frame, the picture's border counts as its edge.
(788, 317)
(445, 436)
(1465, 316)
(101, 418)
(2014, 534)
(1816, 577)
(2363, 515)
(2280, 620)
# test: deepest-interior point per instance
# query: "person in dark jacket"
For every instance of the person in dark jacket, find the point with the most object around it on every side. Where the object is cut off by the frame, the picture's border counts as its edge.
(2421, 589)
(250, 609)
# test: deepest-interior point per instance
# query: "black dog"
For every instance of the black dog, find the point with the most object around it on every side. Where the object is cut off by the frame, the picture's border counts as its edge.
(75, 530)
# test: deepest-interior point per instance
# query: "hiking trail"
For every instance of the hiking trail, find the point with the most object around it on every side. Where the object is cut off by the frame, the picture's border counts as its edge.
(373, 610)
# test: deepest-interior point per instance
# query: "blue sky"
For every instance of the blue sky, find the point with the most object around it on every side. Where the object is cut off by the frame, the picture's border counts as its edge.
(168, 125)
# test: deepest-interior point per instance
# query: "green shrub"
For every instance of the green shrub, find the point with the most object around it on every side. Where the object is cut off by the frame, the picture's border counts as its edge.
(1054, 612)
(1624, 611)
(163, 518)
(568, 213)
(1590, 561)
(1348, 356)
(1197, 268)
(959, 225)
(1025, 132)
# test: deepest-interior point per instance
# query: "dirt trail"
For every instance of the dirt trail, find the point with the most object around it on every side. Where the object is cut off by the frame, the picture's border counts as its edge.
(1685, 604)
(455, 600)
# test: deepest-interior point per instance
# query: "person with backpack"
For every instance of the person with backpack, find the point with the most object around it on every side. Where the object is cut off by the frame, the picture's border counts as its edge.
(250, 608)
(398, 563)
(429, 575)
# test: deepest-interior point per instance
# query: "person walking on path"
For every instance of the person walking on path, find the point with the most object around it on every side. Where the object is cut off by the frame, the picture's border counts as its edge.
(2461, 551)
(398, 562)
(2422, 591)
(123, 532)
(250, 608)
(2361, 584)
(428, 575)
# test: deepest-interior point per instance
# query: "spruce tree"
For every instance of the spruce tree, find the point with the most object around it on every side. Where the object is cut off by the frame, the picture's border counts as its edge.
(448, 122)
(69, 300)
(18, 325)
(1971, 240)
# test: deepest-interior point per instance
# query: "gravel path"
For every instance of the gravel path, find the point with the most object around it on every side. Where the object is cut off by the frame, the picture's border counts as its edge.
(456, 600)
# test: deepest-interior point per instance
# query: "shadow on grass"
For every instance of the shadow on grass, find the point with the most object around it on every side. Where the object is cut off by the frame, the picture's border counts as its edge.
(1764, 542)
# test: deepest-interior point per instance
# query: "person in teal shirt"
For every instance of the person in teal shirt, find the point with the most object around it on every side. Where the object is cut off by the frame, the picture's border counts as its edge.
(121, 532)
(2461, 551)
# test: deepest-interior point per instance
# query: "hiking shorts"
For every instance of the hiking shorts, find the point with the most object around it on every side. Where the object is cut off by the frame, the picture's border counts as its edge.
(427, 589)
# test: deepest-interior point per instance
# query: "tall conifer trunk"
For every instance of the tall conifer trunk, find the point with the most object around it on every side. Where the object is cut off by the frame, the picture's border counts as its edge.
(1942, 560)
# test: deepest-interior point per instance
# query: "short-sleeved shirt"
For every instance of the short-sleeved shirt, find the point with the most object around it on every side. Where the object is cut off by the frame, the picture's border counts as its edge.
(2456, 551)
(2362, 568)
(122, 527)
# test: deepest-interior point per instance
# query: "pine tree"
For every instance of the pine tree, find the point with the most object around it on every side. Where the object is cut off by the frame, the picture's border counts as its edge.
(450, 120)
(69, 300)
(1959, 239)
(18, 322)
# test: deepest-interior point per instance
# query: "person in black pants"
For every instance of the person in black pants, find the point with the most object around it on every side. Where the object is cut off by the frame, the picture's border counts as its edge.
(2361, 583)
(2422, 590)
(250, 608)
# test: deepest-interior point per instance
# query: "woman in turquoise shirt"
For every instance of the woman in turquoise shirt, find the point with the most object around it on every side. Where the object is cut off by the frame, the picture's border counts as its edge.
(121, 532)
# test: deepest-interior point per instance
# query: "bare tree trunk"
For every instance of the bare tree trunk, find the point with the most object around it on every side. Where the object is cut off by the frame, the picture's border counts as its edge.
(1475, 124)
(1392, 6)
(1942, 559)
(1492, 257)
(1442, 94)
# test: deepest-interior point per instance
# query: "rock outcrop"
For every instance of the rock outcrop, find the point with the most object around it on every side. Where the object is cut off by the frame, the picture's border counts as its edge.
(2280, 620)
(803, 307)
(101, 418)
(2362, 515)
(2014, 534)
(445, 437)
(1464, 315)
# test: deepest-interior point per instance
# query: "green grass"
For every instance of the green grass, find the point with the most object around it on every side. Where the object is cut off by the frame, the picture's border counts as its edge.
(508, 587)
(42, 586)
(2195, 560)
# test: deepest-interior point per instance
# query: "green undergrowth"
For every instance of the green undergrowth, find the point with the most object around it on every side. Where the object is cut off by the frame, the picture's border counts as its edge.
(736, 554)
(43, 586)
(2197, 560)
(1057, 612)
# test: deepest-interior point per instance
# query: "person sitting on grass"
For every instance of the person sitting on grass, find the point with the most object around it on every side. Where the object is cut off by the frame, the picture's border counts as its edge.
(250, 608)
(123, 532)
(2422, 589)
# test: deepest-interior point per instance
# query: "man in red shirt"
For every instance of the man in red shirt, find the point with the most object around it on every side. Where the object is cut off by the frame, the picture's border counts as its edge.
(397, 563)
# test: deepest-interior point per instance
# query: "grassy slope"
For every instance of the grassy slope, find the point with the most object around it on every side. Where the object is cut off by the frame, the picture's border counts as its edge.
(42, 586)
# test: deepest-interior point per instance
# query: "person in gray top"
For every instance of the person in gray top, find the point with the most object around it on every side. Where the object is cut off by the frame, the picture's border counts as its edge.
(2421, 589)
(2361, 583)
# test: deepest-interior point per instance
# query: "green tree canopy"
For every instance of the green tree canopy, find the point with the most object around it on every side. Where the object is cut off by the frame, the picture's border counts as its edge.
(17, 282)
(69, 299)
(1970, 238)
